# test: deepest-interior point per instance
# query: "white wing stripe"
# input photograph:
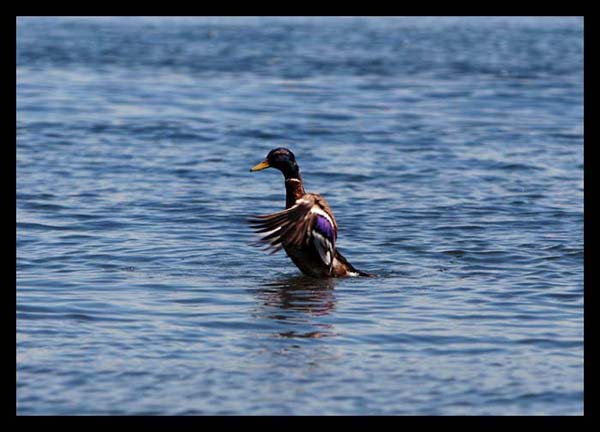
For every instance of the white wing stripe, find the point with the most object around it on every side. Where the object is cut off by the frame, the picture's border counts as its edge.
(317, 210)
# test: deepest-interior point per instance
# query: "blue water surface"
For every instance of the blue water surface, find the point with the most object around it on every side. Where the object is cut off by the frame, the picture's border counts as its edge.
(450, 150)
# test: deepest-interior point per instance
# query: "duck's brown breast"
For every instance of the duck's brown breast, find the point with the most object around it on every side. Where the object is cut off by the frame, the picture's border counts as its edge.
(307, 261)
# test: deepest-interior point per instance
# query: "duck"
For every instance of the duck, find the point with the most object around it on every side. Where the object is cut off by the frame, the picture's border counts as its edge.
(306, 230)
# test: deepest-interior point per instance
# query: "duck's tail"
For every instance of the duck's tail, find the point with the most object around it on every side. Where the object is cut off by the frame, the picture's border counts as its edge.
(350, 267)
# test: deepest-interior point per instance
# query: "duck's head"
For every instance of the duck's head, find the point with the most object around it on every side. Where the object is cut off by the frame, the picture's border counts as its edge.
(281, 159)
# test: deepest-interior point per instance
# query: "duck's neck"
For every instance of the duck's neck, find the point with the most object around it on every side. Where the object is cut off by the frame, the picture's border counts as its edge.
(294, 189)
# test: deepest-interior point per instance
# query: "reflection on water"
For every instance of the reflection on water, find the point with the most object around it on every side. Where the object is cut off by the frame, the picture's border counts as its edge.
(295, 305)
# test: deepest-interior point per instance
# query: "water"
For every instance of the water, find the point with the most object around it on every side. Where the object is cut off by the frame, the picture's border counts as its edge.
(450, 149)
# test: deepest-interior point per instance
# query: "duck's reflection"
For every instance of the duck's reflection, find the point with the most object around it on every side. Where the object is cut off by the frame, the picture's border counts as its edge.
(296, 303)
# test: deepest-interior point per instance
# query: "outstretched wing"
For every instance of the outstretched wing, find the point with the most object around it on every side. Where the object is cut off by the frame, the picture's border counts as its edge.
(287, 227)
(305, 222)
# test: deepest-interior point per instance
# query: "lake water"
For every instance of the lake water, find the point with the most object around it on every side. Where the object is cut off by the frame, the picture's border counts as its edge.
(450, 150)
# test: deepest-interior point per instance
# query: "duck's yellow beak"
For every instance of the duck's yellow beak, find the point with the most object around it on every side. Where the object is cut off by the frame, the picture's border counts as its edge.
(261, 166)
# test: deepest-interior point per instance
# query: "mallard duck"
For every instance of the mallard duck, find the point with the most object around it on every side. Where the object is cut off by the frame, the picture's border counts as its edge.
(306, 229)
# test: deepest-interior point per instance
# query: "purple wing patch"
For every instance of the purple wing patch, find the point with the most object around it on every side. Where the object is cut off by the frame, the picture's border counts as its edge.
(324, 227)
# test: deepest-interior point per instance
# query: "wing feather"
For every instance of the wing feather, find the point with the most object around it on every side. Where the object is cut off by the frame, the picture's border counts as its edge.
(308, 221)
(287, 227)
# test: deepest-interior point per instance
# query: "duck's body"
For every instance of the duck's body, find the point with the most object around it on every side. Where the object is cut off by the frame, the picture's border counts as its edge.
(306, 229)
